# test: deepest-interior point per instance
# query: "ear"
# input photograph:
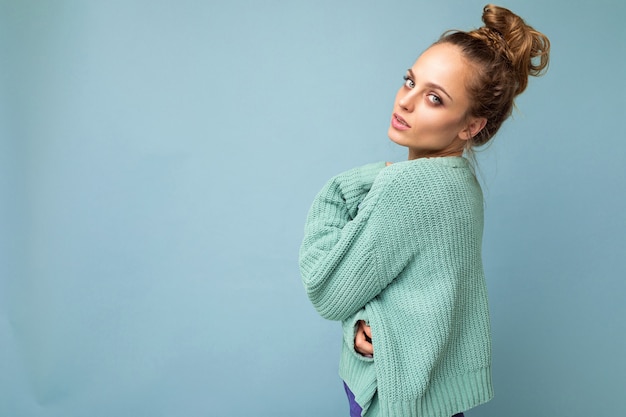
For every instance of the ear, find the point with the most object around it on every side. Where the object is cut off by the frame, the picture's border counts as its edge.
(474, 126)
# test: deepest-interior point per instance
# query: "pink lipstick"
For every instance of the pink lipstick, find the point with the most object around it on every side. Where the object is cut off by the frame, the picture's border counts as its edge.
(399, 123)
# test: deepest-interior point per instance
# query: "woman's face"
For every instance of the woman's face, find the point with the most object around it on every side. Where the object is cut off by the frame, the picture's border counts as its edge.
(430, 112)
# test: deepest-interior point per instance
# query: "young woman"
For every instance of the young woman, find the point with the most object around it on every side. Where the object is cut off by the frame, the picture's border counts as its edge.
(394, 250)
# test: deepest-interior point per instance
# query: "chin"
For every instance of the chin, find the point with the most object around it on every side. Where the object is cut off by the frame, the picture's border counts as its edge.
(395, 138)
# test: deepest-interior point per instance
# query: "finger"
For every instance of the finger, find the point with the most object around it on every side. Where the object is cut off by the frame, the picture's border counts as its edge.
(360, 326)
(368, 331)
(361, 342)
(362, 346)
(358, 342)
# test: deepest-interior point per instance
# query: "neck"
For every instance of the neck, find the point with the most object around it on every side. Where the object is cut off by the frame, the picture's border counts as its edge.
(413, 154)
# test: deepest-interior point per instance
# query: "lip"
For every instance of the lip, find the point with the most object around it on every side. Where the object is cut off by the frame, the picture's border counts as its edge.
(399, 123)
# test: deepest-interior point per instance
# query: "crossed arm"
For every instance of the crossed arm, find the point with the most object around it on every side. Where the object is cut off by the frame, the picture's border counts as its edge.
(339, 244)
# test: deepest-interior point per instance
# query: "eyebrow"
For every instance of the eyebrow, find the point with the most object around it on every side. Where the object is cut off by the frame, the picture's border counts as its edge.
(431, 85)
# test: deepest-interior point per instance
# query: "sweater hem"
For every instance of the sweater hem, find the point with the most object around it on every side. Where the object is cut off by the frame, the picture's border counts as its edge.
(444, 397)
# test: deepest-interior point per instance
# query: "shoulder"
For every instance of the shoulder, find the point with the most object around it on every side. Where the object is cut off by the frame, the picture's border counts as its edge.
(424, 174)
(426, 165)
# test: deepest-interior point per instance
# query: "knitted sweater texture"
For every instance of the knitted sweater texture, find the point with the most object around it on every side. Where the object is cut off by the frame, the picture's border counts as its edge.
(400, 247)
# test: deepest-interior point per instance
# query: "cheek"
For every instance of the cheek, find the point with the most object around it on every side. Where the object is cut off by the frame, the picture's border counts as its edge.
(447, 118)
(435, 118)
(440, 124)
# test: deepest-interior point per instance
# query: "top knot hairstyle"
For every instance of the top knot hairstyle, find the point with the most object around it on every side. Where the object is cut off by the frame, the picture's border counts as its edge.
(505, 52)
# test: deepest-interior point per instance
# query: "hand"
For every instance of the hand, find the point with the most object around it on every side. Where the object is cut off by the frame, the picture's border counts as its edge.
(363, 339)
(388, 163)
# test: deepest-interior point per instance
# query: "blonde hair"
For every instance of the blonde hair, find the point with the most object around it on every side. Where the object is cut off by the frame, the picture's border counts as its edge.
(505, 52)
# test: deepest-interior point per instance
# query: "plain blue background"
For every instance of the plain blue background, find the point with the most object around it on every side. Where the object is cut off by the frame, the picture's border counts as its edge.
(158, 158)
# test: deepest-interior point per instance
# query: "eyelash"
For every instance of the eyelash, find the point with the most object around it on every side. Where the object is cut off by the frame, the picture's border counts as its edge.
(437, 100)
(433, 98)
(407, 79)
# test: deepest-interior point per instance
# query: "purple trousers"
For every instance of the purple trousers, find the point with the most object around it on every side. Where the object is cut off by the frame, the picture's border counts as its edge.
(355, 409)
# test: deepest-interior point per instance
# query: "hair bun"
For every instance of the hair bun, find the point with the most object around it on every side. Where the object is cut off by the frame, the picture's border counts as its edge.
(502, 54)
(525, 48)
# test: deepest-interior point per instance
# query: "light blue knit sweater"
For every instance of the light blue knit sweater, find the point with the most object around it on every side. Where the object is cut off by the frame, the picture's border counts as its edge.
(400, 247)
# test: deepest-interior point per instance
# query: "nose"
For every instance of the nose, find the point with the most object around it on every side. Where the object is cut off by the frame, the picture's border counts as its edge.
(406, 101)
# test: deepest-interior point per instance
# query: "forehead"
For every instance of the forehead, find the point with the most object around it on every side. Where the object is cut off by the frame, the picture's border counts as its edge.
(442, 64)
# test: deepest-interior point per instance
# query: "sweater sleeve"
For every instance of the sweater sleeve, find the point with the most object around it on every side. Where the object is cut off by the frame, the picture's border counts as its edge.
(343, 262)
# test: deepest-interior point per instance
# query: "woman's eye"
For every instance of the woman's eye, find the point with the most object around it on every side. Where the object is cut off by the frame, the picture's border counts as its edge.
(408, 82)
(434, 99)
